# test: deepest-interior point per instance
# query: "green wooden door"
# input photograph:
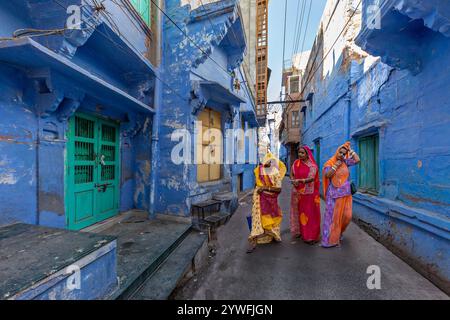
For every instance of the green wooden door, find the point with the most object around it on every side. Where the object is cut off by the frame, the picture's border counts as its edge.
(92, 175)
(368, 167)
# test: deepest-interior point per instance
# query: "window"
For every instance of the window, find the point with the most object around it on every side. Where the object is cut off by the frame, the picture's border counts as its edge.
(144, 9)
(209, 146)
(368, 167)
(294, 84)
(295, 117)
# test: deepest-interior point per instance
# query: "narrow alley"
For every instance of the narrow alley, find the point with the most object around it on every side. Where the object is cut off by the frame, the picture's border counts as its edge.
(133, 133)
(298, 271)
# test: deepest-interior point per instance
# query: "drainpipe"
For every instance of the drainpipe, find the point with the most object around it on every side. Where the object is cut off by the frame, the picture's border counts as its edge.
(347, 120)
(155, 149)
(155, 126)
(38, 143)
(348, 99)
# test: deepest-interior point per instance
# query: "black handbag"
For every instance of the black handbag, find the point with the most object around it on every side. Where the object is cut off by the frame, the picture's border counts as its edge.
(353, 188)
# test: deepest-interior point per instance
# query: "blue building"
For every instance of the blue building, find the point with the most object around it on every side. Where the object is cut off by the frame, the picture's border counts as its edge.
(87, 113)
(91, 94)
(76, 112)
(391, 102)
(206, 75)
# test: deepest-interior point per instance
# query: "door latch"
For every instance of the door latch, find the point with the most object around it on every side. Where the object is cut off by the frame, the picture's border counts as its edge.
(102, 187)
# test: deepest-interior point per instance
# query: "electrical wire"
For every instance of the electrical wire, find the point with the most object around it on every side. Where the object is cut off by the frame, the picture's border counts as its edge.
(123, 49)
(299, 34)
(296, 26)
(304, 36)
(189, 38)
(234, 34)
(310, 75)
(284, 36)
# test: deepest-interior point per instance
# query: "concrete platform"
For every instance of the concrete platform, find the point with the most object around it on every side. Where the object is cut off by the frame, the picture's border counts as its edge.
(34, 263)
(142, 246)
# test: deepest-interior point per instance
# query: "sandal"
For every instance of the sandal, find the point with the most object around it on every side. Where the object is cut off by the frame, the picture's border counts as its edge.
(251, 248)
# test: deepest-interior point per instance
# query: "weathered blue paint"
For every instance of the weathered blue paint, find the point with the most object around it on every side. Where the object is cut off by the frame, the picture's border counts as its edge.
(98, 279)
(199, 81)
(44, 80)
(405, 99)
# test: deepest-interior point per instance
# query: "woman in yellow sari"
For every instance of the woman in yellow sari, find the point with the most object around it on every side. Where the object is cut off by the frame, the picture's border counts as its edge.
(266, 213)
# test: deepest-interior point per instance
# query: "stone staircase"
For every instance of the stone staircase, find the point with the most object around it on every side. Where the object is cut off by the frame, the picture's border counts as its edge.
(210, 214)
(153, 256)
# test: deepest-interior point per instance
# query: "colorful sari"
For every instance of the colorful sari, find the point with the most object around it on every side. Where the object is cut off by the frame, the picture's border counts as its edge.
(305, 200)
(266, 213)
(338, 196)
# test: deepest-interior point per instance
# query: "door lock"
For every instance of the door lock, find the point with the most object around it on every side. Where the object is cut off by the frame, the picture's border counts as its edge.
(102, 187)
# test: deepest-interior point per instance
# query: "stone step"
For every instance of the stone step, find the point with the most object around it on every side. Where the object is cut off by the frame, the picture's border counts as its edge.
(165, 279)
(224, 196)
(143, 247)
(217, 219)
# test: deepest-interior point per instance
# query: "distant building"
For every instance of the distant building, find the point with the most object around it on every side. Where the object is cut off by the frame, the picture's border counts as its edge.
(290, 125)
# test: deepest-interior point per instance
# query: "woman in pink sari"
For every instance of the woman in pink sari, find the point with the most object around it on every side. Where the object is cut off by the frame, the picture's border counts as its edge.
(305, 198)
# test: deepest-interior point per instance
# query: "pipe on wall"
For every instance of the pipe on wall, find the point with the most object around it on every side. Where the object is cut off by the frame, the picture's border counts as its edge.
(155, 126)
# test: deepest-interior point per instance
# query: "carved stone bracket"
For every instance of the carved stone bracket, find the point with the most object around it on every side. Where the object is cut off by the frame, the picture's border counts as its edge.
(217, 34)
(134, 125)
(67, 108)
(50, 95)
(143, 89)
(198, 100)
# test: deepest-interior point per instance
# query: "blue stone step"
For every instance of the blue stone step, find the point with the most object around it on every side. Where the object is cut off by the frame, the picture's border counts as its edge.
(165, 279)
(141, 248)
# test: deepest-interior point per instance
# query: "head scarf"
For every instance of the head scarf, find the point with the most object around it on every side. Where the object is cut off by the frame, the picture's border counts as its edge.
(341, 175)
(305, 167)
(278, 167)
(310, 154)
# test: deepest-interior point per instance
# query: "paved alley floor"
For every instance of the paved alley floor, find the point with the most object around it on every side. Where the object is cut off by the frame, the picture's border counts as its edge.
(294, 270)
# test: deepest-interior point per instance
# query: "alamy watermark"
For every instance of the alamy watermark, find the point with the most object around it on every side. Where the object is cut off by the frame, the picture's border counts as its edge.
(374, 280)
(213, 147)
(73, 281)
(373, 14)
(74, 21)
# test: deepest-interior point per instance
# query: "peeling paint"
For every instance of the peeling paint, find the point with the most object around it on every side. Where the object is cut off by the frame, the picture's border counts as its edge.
(8, 177)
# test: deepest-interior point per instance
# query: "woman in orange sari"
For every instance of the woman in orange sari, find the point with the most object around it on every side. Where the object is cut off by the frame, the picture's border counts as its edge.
(305, 198)
(266, 213)
(338, 196)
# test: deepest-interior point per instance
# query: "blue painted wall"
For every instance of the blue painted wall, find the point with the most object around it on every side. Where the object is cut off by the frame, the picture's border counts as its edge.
(98, 280)
(38, 96)
(185, 65)
(41, 92)
(407, 104)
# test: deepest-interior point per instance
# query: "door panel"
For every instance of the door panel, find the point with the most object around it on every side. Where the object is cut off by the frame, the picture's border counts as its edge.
(202, 172)
(215, 120)
(84, 205)
(92, 181)
(210, 145)
(214, 172)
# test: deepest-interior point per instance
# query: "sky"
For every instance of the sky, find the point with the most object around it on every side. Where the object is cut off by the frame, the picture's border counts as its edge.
(276, 29)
